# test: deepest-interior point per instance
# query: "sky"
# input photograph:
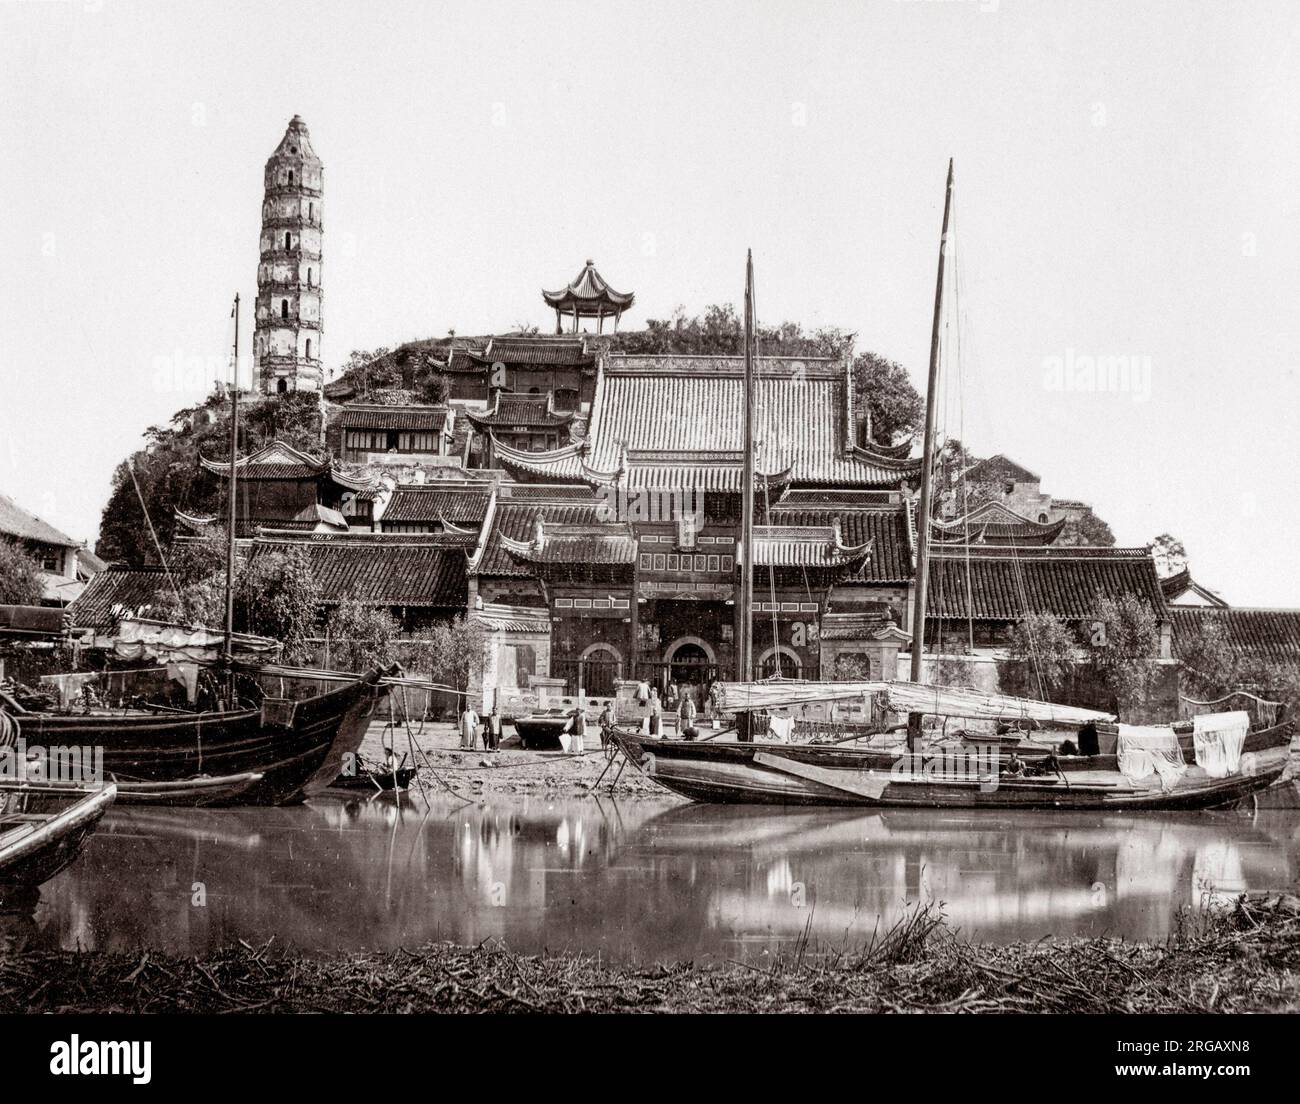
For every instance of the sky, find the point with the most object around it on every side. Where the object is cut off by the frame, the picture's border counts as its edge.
(1126, 173)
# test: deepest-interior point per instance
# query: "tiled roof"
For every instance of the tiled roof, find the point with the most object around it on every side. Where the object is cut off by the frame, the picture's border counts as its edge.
(517, 521)
(854, 626)
(132, 588)
(885, 527)
(504, 618)
(1176, 586)
(417, 504)
(18, 523)
(649, 405)
(576, 544)
(513, 409)
(804, 546)
(587, 291)
(1005, 583)
(277, 460)
(540, 351)
(381, 571)
(377, 416)
(1265, 634)
(995, 523)
(676, 422)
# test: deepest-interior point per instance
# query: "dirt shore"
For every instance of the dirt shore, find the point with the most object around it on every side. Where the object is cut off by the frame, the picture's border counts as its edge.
(1245, 960)
(512, 770)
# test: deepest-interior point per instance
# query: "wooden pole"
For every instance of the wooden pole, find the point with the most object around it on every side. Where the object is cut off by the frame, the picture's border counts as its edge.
(227, 652)
(927, 489)
(745, 600)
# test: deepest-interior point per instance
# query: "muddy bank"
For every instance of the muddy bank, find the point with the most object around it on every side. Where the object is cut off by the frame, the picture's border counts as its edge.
(512, 770)
(1242, 960)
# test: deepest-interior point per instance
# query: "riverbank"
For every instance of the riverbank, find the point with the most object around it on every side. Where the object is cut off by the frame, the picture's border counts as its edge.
(512, 770)
(1246, 959)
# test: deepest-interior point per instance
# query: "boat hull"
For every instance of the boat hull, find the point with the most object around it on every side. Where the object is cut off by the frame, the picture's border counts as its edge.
(206, 759)
(36, 852)
(781, 774)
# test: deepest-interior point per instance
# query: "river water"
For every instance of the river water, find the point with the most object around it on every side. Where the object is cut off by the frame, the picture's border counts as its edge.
(637, 880)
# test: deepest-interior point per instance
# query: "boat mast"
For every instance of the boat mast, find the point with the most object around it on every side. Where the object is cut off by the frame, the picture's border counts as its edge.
(927, 481)
(227, 650)
(745, 644)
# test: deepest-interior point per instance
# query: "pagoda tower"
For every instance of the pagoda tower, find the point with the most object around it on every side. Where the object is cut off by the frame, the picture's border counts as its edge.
(286, 338)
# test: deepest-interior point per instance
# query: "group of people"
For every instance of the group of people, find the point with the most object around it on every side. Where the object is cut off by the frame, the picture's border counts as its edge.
(471, 725)
(681, 704)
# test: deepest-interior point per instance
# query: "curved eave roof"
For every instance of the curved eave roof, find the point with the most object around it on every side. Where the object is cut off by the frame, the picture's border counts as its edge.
(589, 293)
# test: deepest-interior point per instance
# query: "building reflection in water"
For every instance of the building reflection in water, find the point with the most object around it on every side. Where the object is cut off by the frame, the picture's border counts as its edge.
(637, 881)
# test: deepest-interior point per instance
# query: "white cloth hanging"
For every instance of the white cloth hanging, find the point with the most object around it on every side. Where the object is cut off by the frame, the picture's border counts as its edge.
(1144, 750)
(779, 729)
(1219, 738)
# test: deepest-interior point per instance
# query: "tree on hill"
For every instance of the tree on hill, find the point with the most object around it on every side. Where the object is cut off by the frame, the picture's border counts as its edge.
(168, 473)
(1170, 555)
(20, 576)
(1087, 530)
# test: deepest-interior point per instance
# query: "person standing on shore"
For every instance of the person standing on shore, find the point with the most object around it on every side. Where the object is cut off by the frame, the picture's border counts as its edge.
(492, 731)
(578, 743)
(468, 727)
(686, 717)
(656, 711)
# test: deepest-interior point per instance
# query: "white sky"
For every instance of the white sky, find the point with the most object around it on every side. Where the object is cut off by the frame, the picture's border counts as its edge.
(1127, 181)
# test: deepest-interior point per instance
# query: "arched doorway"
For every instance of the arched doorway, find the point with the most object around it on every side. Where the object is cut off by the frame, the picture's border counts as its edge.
(598, 667)
(690, 663)
(781, 661)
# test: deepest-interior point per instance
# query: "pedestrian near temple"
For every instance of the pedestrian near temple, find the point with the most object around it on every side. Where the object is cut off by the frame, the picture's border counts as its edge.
(492, 731)
(656, 711)
(686, 718)
(468, 728)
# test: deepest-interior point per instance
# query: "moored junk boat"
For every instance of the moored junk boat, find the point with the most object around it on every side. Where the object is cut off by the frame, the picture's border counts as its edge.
(277, 753)
(1187, 771)
(43, 827)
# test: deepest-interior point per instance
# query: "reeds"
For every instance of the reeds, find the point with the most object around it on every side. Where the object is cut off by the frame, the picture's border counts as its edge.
(1246, 958)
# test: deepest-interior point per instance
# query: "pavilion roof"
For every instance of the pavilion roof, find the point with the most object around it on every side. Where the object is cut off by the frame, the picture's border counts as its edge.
(588, 293)
(560, 543)
(883, 526)
(532, 351)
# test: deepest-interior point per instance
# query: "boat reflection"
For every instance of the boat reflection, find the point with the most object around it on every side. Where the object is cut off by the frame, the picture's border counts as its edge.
(640, 881)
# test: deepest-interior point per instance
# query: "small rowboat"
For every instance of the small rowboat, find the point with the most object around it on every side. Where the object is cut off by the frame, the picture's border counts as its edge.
(374, 779)
(42, 828)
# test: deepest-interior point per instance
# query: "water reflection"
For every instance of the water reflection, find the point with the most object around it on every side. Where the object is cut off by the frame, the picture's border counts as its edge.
(637, 881)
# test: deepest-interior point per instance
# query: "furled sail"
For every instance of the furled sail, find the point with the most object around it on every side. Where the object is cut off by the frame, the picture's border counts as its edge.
(904, 697)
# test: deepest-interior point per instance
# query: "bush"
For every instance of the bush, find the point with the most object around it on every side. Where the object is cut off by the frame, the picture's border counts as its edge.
(20, 576)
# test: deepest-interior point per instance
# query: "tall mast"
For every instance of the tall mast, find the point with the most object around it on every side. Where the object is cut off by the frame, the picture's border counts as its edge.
(927, 463)
(745, 643)
(227, 650)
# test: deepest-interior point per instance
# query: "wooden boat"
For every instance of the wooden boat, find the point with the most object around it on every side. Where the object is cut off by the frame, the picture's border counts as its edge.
(42, 828)
(277, 754)
(815, 774)
(376, 779)
(541, 730)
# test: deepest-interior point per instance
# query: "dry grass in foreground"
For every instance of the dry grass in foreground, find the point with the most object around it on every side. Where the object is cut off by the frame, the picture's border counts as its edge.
(1242, 960)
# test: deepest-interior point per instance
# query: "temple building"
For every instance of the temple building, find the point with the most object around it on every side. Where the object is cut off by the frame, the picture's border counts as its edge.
(288, 316)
